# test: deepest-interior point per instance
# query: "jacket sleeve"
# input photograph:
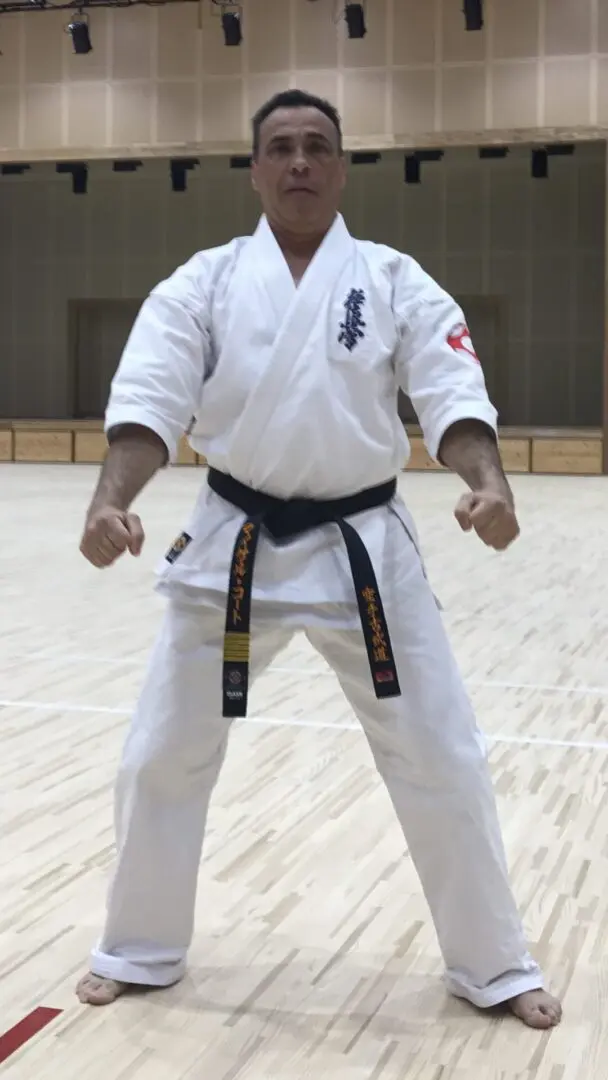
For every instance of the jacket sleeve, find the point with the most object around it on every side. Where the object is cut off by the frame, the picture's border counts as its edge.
(160, 377)
(436, 363)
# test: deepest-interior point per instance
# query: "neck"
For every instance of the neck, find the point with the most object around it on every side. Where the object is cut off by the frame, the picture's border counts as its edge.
(299, 245)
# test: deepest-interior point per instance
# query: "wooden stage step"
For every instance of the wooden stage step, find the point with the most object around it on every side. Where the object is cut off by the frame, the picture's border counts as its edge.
(569, 452)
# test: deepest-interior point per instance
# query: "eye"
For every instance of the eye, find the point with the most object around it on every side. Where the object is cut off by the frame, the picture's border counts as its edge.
(279, 149)
(318, 146)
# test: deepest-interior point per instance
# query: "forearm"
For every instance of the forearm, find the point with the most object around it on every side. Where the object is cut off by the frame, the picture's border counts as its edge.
(134, 456)
(469, 448)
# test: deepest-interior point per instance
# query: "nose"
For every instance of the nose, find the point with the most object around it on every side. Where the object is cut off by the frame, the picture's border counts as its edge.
(299, 162)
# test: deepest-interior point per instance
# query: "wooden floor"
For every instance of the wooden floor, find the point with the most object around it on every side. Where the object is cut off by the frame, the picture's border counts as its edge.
(314, 955)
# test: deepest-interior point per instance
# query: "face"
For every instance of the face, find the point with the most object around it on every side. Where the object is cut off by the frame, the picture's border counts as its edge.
(299, 172)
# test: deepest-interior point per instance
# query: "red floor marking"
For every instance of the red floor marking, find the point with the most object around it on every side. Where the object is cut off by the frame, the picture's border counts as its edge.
(25, 1030)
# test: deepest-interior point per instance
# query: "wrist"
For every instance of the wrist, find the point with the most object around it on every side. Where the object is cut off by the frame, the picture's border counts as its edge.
(104, 503)
(497, 484)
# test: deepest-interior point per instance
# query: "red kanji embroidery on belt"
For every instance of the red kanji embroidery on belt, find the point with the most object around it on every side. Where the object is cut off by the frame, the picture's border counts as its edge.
(459, 339)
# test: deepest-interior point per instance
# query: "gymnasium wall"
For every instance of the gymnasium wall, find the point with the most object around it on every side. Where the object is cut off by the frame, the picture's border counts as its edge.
(156, 84)
(482, 228)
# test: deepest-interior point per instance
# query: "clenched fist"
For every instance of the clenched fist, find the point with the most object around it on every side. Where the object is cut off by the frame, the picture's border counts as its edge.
(108, 534)
(492, 516)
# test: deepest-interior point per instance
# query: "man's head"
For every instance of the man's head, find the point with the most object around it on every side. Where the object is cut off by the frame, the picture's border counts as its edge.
(298, 164)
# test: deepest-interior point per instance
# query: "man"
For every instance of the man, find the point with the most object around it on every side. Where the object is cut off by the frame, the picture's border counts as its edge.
(289, 348)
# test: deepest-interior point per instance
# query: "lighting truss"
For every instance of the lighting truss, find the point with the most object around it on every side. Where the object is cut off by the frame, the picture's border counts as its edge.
(11, 6)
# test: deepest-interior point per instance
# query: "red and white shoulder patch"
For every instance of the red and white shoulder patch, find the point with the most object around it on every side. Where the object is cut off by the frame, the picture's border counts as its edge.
(459, 339)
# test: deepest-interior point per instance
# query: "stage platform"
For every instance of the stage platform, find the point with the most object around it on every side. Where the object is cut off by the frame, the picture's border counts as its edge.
(565, 452)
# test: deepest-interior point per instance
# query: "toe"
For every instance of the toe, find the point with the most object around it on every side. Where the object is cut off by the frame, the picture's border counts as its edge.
(554, 1012)
(537, 1009)
(95, 990)
(538, 1018)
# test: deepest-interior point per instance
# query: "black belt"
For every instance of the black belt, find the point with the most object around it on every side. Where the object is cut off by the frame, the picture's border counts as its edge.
(285, 519)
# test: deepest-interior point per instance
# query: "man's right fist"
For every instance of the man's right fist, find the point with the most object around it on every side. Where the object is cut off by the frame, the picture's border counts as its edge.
(108, 533)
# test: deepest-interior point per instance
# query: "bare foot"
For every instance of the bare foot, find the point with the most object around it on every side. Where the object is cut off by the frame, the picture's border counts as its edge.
(95, 990)
(537, 1009)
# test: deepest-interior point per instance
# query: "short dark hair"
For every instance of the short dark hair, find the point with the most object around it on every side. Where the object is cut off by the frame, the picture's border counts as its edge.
(294, 99)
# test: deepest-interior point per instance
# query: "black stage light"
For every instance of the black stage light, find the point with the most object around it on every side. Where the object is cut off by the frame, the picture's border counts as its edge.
(412, 169)
(560, 149)
(126, 166)
(81, 39)
(79, 172)
(540, 164)
(365, 157)
(429, 155)
(231, 25)
(179, 169)
(355, 20)
(493, 153)
(473, 14)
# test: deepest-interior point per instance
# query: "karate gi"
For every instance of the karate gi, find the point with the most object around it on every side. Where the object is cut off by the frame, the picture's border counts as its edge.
(294, 391)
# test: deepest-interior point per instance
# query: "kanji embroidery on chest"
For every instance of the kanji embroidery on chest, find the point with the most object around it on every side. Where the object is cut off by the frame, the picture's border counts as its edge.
(351, 329)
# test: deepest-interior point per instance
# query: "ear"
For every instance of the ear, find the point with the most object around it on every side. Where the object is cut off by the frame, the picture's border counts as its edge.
(343, 171)
(254, 183)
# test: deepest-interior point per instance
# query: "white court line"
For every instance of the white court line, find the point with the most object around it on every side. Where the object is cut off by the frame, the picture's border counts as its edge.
(483, 684)
(599, 691)
(63, 706)
(319, 725)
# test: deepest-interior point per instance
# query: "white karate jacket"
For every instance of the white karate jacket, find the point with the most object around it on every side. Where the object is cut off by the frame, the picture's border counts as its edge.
(294, 391)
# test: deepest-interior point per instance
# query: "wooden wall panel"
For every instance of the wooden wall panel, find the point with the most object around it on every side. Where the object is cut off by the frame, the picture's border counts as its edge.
(567, 456)
(515, 455)
(43, 445)
(63, 441)
(6, 445)
(90, 446)
(186, 455)
(164, 80)
(419, 456)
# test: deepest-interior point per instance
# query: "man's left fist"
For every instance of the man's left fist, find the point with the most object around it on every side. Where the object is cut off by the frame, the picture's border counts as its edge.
(491, 515)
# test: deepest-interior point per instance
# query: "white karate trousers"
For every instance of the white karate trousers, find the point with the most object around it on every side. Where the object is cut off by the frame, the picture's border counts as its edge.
(426, 746)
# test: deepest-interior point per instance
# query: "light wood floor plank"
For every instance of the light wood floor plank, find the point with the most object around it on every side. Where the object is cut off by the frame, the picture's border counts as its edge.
(314, 954)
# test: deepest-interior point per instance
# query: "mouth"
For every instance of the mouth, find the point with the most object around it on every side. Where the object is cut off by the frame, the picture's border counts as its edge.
(301, 189)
